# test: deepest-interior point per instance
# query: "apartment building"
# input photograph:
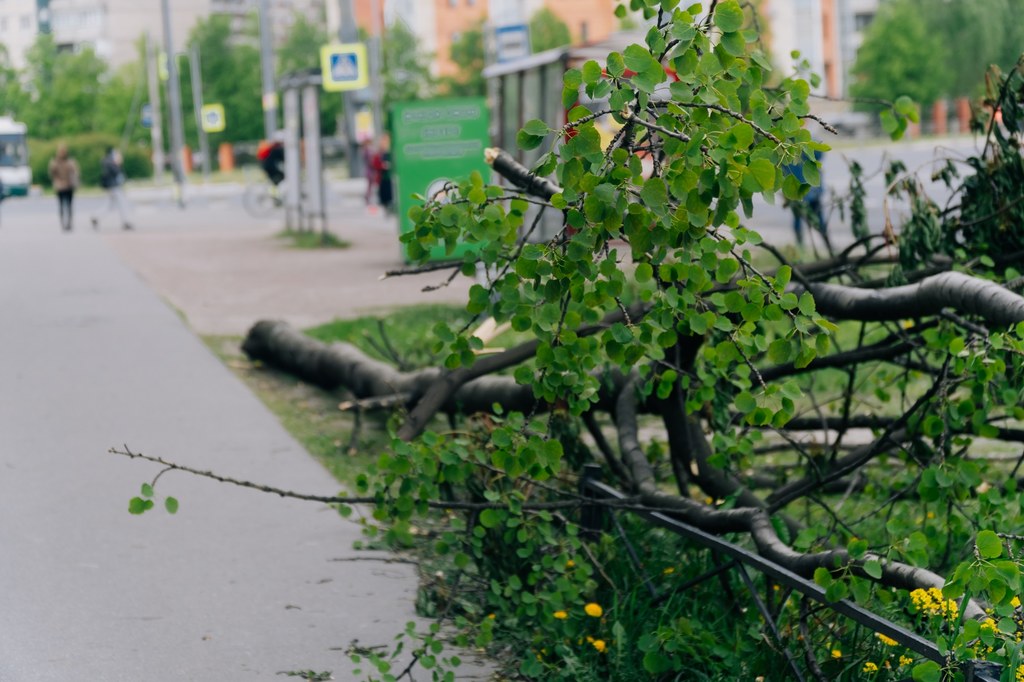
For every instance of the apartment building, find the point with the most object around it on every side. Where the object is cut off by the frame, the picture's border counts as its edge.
(827, 33)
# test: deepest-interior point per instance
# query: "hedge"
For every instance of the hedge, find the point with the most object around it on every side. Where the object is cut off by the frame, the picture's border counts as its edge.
(88, 151)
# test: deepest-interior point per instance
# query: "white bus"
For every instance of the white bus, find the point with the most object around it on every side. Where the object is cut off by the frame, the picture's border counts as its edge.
(15, 173)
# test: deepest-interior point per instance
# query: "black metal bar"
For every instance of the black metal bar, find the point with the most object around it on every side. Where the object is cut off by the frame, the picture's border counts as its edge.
(785, 577)
(769, 621)
(634, 558)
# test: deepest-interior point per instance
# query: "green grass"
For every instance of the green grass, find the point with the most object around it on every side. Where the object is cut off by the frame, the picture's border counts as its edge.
(312, 240)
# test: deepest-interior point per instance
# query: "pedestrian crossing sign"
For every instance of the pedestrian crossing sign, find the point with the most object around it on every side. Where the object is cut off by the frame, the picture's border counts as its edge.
(212, 116)
(343, 66)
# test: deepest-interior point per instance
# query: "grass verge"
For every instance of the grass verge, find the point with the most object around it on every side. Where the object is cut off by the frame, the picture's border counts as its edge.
(312, 240)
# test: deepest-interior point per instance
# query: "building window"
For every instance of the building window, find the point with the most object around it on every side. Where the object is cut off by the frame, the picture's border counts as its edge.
(862, 21)
(26, 21)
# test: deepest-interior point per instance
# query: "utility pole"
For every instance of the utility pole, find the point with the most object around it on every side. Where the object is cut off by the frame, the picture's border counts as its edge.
(197, 105)
(174, 104)
(156, 129)
(267, 70)
(348, 33)
(375, 64)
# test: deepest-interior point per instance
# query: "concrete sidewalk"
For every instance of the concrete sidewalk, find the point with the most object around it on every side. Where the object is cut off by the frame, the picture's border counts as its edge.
(238, 585)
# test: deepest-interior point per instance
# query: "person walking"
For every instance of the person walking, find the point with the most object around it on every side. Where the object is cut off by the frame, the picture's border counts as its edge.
(112, 180)
(812, 206)
(64, 175)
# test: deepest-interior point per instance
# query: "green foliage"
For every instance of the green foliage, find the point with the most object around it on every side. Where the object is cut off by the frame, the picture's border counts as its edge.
(406, 68)
(88, 150)
(299, 51)
(467, 53)
(547, 31)
(898, 56)
(231, 76)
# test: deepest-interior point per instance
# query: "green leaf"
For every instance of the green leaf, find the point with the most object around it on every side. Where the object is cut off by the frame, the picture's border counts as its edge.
(873, 568)
(644, 272)
(616, 67)
(763, 172)
(147, 490)
(591, 72)
(137, 505)
(489, 518)
(905, 107)
(929, 671)
(536, 127)
(989, 545)
(171, 505)
(729, 16)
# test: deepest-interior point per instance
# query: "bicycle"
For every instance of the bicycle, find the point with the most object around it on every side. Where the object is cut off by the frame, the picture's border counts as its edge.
(262, 198)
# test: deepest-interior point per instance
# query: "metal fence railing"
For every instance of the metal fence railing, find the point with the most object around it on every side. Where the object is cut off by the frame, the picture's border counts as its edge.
(741, 558)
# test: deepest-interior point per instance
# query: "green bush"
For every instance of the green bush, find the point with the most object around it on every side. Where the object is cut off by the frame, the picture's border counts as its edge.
(88, 151)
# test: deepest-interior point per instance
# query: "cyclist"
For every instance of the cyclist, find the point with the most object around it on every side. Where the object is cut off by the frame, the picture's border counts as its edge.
(271, 157)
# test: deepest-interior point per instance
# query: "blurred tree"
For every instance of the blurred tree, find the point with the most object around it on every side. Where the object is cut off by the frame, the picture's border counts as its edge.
(406, 69)
(547, 31)
(301, 51)
(64, 90)
(898, 57)
(13, 97)
(231, 76)
(118, 109)
(468, 53)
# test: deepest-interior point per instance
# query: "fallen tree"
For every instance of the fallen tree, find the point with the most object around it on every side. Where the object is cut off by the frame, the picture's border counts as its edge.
(824, 413)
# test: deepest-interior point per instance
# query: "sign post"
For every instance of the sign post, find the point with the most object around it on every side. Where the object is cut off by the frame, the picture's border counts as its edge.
(436, 142)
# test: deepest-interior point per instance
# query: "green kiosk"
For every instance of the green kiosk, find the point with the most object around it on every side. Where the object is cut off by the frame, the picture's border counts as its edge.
(434, 142)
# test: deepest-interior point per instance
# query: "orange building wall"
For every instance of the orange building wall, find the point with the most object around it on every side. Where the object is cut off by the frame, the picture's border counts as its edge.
(588, 20)
(364, 15)
(830, 47)
(464, 15)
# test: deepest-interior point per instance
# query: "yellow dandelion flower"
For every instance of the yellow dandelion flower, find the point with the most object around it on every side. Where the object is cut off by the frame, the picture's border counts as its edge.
(594, 610)
(905, 660)
(599, 645)
(560, 615)
(1015, 602)
(836, 653)
(931, 515)
(988, 624)
(870, 667)
(570, 563)
(1019, 674)
(669, 571)
(888, 641)
(491, 616)
(590, 640)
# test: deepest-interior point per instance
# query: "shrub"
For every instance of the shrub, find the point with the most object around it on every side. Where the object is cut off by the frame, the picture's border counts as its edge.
(88, 150)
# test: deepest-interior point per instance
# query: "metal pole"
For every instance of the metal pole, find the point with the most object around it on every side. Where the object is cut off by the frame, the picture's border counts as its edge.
(267, 64)
(314, 197)
(292, 168)
(156, 129)
(174, 104)
(375, 79)
(197, 105)
(348, 33)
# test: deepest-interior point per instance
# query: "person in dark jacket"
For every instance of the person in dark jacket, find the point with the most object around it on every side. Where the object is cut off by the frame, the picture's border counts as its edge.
(112, 180)
(812, 205)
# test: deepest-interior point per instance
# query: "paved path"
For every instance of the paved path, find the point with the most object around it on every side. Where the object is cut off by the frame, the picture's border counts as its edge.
(238, 585)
